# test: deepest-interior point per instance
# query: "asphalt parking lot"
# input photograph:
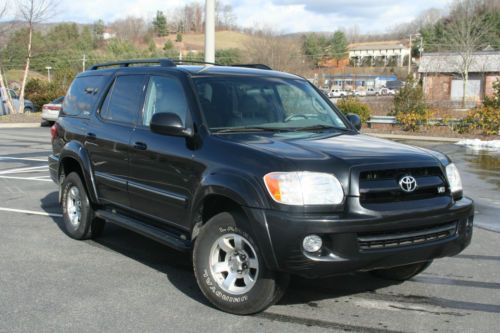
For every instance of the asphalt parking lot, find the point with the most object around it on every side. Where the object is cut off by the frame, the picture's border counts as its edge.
(123, 282)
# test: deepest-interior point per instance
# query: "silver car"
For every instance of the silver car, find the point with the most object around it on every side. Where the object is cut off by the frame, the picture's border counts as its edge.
(50, 111)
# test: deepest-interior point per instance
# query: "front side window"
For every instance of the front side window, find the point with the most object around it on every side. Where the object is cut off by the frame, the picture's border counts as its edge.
(164, 95)
(124, 100)
(267, 103)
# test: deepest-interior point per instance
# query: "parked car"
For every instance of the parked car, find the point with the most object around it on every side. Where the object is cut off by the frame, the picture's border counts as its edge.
(387, 91)
(359, 93)
(254, 173)
(50, 111)
(28, 105)
(372, 92)
(338, 93)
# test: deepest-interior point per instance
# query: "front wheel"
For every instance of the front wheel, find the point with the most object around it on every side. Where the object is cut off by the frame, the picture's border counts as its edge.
(402, 273)
(229, 268)
(78, 214)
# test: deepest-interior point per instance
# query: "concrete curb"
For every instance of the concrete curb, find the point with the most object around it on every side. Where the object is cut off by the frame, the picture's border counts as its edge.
(19, 125)
(413, 137)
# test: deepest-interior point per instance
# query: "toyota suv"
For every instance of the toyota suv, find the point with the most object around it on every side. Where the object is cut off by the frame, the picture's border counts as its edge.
(252, 171)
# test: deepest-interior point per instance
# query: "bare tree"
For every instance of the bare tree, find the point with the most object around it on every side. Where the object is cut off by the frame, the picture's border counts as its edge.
(466, 34)
(32, 12)
(130, 28)
(4, 95)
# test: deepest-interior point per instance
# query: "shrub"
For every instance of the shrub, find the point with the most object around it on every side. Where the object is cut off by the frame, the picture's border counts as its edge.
(353, 105)
(409, 106)
(41, 92)
(178, 38)
(486, 119)
(494, 101)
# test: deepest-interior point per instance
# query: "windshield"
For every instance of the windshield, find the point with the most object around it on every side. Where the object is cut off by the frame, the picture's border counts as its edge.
(239, 103)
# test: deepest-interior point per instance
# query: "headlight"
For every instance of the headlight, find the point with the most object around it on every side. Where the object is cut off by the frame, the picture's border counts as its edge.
(453, 178)
(304, 188)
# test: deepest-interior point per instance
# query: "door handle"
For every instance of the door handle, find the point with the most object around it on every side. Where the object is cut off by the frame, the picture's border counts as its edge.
(140, 146)
(91, 136)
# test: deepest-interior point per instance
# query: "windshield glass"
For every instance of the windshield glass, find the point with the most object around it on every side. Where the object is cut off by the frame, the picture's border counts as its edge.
(232, 103)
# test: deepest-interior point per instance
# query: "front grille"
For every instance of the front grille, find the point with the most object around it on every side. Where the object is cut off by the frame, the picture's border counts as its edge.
(382, 186)
(399, 239)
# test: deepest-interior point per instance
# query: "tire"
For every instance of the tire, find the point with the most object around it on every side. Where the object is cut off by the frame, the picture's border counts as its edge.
(402, 273)
(241, 284)
(78, 215)
(28, 110)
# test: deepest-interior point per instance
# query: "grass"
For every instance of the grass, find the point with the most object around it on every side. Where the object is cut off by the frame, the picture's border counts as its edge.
(16, 75)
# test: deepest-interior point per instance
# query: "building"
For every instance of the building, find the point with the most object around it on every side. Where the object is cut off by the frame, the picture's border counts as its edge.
(358, 81)
(387, 53)
(442, 79)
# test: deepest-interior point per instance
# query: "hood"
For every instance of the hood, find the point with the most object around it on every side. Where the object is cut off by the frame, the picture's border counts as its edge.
(352, 149)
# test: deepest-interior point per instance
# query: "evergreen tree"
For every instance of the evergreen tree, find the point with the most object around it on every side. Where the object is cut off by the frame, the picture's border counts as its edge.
(338, 46)
(160, 24)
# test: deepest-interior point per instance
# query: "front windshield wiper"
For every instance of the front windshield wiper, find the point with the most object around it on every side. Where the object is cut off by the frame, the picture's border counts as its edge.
(319, 127)
(249, 129)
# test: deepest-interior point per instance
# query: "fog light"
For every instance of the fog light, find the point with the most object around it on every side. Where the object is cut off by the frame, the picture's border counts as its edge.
(312, 243)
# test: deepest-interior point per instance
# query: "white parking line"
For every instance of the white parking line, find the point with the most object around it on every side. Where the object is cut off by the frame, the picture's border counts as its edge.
(19, 170)
(29, 212)
(23, 159)
(26, 178)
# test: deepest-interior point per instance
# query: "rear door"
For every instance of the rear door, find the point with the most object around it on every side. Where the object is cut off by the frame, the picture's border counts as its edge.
(162, 172)
(109, 134)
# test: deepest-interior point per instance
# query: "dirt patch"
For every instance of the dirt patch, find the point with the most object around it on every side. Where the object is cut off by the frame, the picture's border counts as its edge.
(432, 131)
(35, 117)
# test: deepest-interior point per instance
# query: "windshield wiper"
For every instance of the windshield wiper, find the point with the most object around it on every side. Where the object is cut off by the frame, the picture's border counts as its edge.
(249, 129)
(320, 127)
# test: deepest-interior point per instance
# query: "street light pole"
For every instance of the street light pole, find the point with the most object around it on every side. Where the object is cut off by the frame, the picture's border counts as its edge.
(210, 31)
(48, 68)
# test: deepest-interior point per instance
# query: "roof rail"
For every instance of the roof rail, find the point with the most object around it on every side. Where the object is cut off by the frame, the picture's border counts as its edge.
(257, 66)
(127, 63)
(179, 61)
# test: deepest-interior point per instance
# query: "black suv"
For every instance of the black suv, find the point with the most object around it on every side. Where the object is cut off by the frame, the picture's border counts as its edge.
(253, 171)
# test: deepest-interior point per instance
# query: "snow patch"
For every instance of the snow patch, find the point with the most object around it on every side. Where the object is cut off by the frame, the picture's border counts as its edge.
(479, 144)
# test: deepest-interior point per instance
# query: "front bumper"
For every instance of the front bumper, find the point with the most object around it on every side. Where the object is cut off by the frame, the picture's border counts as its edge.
(344, 238)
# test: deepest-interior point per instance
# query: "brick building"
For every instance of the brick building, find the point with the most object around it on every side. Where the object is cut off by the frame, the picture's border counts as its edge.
(442, 79)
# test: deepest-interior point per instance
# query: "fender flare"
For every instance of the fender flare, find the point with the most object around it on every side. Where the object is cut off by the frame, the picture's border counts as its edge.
(76, 151)
(248, 195)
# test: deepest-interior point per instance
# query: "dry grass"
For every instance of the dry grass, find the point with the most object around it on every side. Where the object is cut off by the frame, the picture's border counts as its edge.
(35, 117)
(16, 75)
(223, 40)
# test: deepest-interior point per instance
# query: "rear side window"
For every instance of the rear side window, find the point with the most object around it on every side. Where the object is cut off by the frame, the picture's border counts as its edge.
(124, 100)
(82, 95)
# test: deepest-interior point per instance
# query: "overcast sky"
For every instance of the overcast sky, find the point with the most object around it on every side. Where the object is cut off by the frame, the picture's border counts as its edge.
(281, 15)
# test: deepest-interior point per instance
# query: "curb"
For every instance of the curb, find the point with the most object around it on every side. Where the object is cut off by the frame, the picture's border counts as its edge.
(413, 137)
(19, 125)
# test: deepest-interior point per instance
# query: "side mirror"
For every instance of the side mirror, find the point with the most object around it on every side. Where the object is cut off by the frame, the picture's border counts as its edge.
(168, 124)
(355, 120)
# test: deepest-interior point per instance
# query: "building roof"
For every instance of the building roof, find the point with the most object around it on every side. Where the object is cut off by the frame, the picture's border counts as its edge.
(451, 62)
(384, 45)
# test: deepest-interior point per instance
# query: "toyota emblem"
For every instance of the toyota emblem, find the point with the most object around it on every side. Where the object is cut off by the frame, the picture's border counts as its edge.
(408, 184)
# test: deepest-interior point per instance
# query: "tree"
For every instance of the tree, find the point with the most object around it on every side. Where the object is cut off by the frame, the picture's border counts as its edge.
(32, 12)
(338, 46)
(178, 38)
(168, 45)
(98, 30)
(5, 97)
(314, 48)
(160, 24)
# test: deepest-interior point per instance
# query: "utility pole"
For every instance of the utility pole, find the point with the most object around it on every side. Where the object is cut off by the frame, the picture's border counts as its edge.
(210, 31)
(84, 60)
(48, 68)
(409, 57)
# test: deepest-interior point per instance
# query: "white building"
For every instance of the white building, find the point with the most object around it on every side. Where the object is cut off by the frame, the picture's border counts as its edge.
(387, 53)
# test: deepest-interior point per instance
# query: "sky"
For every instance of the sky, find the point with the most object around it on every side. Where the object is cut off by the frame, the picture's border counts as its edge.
(285, 16)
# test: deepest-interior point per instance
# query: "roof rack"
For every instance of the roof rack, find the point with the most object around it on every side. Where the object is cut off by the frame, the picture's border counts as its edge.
(127, 63)
(179, 61)
(257, 66)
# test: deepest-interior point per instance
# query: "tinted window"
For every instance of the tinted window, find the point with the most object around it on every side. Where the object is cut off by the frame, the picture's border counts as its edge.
(164, 95)
(58, 100)
(82, 95)
(124, 99)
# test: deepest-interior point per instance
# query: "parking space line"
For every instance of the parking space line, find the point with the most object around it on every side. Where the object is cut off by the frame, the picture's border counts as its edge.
(26, 178)
(29, 212)
(19, 170)
(23, 159)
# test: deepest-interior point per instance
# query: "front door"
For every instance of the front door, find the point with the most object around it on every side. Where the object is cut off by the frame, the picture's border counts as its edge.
(162, 172)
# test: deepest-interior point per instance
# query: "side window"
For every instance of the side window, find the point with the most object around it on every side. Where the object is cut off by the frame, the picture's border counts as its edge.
(164, 95)
(124, 99)
(13, 94)
(82, 95)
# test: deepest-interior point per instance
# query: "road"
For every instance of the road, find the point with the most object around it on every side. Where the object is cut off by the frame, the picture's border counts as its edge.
(123, 282)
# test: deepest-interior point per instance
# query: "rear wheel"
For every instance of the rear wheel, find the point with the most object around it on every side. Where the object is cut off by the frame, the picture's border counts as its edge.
(229, 268)
(402, 273)
(79, 219)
